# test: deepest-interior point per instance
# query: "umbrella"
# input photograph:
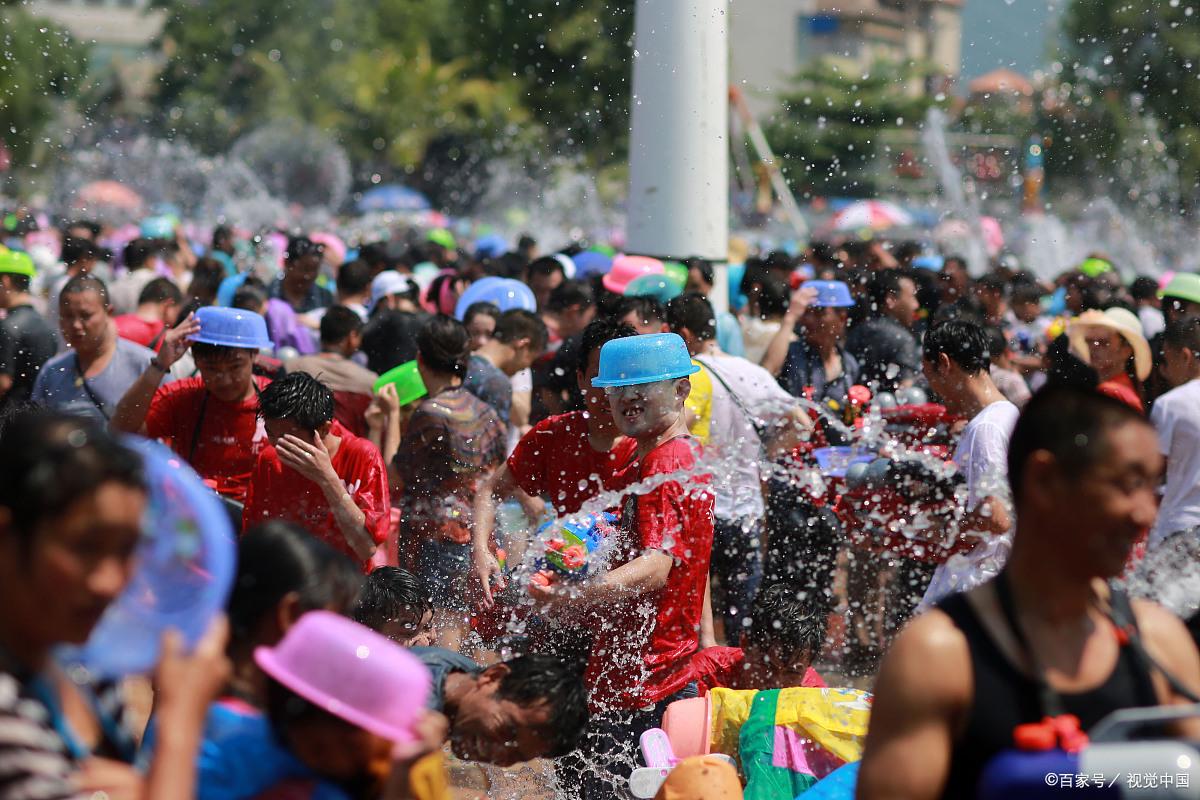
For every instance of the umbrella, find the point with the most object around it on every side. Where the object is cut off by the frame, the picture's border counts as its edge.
(875, 215)
(956, 230)
(392, 197)
(108, 193)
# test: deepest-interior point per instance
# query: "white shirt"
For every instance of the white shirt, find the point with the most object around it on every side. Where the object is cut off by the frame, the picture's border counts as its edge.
(1152, 321)
(1176, 418)
(982, 457)
(733, 440)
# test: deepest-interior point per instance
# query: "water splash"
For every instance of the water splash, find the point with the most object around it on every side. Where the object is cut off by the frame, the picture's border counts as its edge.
(950, 179)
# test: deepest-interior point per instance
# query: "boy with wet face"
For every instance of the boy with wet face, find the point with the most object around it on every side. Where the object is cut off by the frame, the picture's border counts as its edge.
(646, 609)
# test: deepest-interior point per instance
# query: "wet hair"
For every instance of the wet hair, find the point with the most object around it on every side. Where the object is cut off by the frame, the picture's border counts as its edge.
(694, 312)
(882, 285)
(76, 249)
(221, 232)
(300, 246)
(648, 309)
(997, 343)
(160, 290)
(138, 252)
(704, 267)
(781, 617)
(1183, 332)
(85, 283)
(388, 593)
(338, 323)
(534, 680)
(1143, 288)
(354, 277)
(597, 333)
(954, 259)
(375, 254)
(1072, 424)
(962, 341)
(444, 345)
(206, 281)
(280, 558)
(299, 398)
(546, 265)
(249, 298)
(517, 323)
(570, 293)
(48, 460)
(482, 308)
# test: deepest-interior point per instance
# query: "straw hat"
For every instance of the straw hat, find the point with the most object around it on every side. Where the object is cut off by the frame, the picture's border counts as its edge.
(1114, 319)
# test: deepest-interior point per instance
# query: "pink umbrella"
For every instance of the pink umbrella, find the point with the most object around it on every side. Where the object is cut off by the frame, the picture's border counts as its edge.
(108, 193)
(875, 215)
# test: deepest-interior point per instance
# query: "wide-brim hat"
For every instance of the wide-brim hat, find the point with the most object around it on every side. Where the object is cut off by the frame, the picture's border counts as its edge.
(1114, 319)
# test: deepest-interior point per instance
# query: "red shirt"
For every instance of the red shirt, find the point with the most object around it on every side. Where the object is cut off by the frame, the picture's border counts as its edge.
(278, 492)
(230, 434)
(555, 460)
(136, 329)
(1121, 388)
(642, 650)
(715, 667)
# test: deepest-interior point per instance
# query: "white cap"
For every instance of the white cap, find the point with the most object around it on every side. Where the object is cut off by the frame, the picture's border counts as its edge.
(389, 282)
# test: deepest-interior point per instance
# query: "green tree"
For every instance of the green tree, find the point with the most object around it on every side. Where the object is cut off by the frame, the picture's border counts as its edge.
(574, 61)
(41, 67)
(1127, 58)
(388, 80)
(826, 131)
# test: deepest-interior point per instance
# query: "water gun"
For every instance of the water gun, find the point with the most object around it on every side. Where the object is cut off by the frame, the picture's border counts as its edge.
(1054, 758)
(568, 550)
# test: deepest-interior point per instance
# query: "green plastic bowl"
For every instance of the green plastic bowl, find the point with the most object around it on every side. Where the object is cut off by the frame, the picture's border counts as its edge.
(409, 386)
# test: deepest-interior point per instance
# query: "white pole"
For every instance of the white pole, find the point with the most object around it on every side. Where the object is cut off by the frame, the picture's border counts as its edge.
(679, 145)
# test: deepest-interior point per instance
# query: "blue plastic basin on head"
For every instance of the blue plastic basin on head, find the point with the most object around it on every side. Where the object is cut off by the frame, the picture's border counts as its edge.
(232, 327)
(830, 294)
(647, 358)
(505, 293)
(186, 561)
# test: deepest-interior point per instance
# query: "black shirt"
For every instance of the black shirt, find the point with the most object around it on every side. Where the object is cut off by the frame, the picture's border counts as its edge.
(26, 343)
(1004, 697)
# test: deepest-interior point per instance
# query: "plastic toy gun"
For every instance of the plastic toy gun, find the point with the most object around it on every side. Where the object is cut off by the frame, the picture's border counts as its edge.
(1054, 759)
(568, 554)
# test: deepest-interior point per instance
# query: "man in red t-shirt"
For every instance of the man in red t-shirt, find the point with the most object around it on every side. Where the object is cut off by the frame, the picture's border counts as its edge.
(647, 608)
(316, 473)
(567, 459)
(211, 421)
(157, 306)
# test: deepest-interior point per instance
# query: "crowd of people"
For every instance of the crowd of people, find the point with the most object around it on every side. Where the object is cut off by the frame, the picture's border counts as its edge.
(387, 449)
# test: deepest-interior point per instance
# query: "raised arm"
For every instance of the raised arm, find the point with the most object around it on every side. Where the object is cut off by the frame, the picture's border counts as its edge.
(776, 355)
(130, 414)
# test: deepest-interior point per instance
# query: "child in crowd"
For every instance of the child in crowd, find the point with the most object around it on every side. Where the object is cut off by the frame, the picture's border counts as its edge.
(397, 604)
(785, 636)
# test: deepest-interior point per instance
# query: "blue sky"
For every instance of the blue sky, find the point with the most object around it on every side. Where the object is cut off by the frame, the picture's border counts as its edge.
(999, 33)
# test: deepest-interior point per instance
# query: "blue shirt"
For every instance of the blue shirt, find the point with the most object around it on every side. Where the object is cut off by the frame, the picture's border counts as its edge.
(440, 664)
(729, 335)
(240, 758)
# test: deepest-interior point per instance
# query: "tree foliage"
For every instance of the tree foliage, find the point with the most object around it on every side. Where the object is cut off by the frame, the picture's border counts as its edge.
(826, 131)
(1128, 59)
(395, 80)
(40, 67)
